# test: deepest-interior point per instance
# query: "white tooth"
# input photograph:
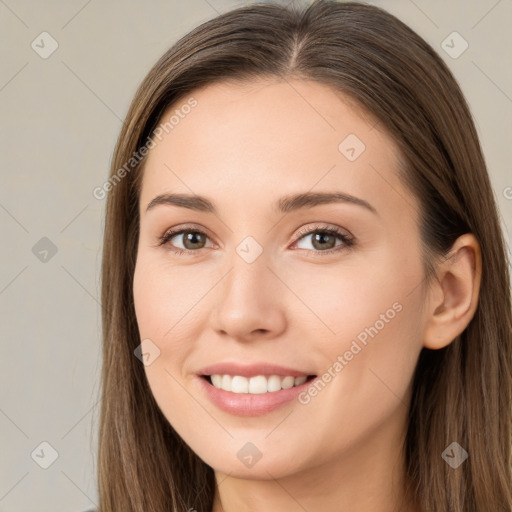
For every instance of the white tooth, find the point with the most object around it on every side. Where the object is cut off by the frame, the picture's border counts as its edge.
(258, 385)
(216, 380)
(274, 383)
(226, 382)
(239, 384)
(287, 382)
(300, 380)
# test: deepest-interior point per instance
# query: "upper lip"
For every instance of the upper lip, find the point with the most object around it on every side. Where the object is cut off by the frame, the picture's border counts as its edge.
(251, 370)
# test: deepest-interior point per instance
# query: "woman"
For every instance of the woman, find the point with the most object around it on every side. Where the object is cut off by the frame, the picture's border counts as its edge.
(306, 299)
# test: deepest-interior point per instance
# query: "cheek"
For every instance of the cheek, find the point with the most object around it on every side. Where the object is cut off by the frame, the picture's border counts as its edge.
(170, 310)
(368, 362)
(166, 298)
(362, 294)
(363, 319)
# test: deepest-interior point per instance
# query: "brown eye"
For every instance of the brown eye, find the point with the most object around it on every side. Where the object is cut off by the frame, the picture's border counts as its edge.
(324, 240)
(191, 240)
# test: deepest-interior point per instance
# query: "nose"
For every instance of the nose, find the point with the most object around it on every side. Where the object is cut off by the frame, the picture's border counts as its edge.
(249, 302)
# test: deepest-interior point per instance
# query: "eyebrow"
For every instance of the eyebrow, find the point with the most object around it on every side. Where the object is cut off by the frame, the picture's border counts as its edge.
(284, 205)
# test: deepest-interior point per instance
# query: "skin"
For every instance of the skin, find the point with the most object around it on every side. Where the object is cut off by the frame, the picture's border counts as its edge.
(244, 146)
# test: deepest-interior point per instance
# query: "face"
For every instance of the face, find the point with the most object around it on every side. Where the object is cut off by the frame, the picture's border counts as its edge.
(265, 288)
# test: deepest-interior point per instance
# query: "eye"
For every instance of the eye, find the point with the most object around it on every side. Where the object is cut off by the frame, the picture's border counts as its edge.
(192, 239)
(324, 238)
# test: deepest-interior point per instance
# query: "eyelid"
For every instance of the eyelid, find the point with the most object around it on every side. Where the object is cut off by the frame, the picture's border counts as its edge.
(321, 227)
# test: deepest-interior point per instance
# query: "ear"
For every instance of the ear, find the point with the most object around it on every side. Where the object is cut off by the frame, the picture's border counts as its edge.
(453, 296)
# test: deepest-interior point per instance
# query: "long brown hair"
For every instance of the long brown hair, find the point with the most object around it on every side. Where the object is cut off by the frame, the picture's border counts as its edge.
(462, 392)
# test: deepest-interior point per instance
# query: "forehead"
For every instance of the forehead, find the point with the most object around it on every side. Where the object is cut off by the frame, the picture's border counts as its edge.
(270, 137)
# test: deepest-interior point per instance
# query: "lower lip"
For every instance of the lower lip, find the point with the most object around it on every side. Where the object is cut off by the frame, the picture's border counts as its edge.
(248, 404)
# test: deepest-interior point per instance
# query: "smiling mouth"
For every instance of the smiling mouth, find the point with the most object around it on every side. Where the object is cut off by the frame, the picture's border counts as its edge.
(256, 385)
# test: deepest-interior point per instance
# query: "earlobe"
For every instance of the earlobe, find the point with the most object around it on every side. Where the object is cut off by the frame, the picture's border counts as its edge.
(453, 296)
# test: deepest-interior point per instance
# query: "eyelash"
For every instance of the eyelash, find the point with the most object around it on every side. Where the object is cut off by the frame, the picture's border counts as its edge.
(347, 240)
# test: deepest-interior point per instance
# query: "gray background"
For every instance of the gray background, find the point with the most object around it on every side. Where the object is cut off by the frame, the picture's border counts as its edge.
(60, 118)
